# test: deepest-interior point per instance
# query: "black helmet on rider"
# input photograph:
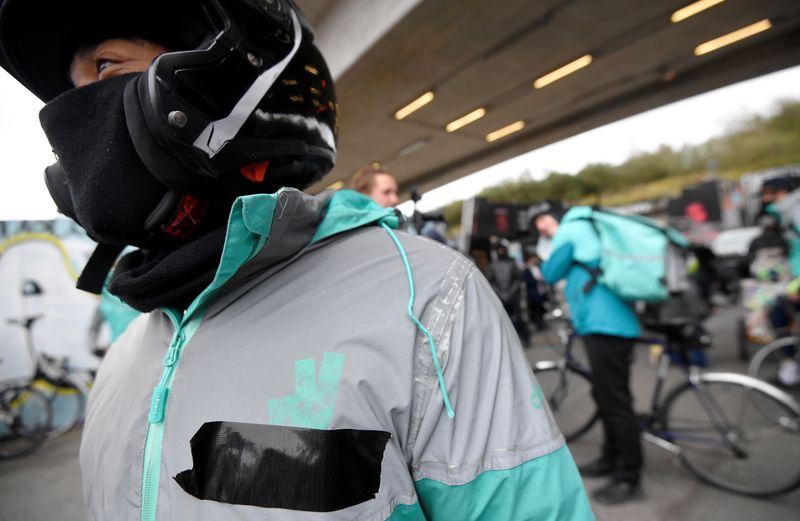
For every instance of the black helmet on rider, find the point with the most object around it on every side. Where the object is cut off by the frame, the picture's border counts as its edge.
(546, 207)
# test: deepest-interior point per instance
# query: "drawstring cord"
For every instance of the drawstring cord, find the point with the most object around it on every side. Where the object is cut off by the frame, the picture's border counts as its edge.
(415, 320)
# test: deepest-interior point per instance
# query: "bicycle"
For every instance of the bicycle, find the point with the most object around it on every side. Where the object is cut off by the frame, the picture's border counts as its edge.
(65, 388)
(730, 430)
(769, 364)
(566, 382)
(25, 416)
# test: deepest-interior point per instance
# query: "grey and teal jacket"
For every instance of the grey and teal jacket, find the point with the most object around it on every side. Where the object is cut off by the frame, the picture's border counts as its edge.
(594, 308)
(333, 370)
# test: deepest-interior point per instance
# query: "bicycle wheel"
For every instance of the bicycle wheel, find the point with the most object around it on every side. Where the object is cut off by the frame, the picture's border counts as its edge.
(550, 340)
(727, 440)
(67, 403)
(777, 363)
(28, 414)
(569, 395)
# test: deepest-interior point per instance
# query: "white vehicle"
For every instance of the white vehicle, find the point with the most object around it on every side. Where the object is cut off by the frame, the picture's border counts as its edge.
(735, 242)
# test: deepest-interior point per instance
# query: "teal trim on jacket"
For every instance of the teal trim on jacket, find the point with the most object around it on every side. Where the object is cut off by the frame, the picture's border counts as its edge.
(600, 311)
(794, 254)
(793, 238)
(554, 492)
(117, 314)
(408, 513)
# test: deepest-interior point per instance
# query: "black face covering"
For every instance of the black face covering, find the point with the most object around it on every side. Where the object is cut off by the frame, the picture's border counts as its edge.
(101, 183)
(99, 180)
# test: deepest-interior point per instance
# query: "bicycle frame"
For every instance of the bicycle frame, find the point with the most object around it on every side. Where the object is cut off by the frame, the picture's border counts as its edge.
(46, 367)
(694, 376)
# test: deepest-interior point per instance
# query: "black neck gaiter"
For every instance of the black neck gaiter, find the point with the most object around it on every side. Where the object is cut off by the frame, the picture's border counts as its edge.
(146, 280)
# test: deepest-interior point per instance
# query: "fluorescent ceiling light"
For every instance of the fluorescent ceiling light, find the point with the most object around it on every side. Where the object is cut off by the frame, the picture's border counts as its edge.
(566, 70)
(503, 132)
(735, 36)
(413, 147)
(692, 9)
(338, 185)
(466, 120)
(414, 105)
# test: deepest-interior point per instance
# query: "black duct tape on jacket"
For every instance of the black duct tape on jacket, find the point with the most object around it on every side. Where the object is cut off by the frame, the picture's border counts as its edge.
(284, 467)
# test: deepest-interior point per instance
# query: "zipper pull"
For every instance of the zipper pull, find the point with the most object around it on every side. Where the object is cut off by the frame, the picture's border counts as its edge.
(172, 353)
(158, 405)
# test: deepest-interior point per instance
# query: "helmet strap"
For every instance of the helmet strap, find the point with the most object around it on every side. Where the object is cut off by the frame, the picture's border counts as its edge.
(97, 267)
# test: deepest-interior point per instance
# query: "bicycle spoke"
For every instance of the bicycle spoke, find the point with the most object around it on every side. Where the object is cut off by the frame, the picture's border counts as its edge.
(727, 440)
(27, 417)
(568, 394)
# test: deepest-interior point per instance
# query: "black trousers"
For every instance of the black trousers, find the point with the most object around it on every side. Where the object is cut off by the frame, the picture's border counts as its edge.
(610, 360)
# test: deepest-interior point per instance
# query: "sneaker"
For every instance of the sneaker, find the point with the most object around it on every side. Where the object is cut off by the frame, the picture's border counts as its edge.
(789, 372)
(616, 492)
(596, 469)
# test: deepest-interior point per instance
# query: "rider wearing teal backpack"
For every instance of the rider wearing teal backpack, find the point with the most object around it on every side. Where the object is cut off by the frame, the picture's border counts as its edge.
(576, 256)
(608, 326)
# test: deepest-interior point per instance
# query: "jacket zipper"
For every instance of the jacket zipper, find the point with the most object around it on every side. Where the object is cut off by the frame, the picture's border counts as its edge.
(155, 430)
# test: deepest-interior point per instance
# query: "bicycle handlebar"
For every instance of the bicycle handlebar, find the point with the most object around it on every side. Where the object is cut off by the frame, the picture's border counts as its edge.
(26, 322)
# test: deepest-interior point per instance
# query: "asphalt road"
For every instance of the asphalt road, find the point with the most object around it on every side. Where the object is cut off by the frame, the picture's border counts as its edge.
(46, 486)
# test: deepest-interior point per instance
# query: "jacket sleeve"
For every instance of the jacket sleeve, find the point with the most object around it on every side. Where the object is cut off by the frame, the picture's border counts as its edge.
(559, 263)
(501, 456)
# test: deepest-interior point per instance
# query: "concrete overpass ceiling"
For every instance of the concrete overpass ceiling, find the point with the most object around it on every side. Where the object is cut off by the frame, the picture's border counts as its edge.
(314, 10)
(487, 54)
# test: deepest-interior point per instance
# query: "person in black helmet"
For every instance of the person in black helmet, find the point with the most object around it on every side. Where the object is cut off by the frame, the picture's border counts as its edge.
(297, 357)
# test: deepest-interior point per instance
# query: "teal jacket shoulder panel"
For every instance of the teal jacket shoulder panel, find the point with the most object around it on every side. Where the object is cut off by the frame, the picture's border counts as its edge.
(599, 311)
(348, 210)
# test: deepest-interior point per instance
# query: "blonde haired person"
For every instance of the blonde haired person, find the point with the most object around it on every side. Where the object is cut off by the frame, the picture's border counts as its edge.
(377, 183)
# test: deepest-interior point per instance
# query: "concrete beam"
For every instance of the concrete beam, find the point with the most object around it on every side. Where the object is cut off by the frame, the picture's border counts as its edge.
(351, 27)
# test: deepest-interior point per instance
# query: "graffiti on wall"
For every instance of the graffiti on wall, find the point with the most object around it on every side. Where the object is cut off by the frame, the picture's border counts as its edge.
(47, 255)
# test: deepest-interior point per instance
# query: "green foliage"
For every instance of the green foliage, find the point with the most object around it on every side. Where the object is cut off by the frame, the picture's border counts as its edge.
(452, 213)
(754, 143)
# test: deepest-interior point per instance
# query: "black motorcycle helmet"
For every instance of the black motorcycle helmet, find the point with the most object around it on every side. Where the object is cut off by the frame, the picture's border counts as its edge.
(242, 103)
(244, 83)
(546, 207)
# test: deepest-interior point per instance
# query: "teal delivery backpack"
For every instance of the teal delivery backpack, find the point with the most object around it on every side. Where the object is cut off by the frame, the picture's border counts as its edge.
(640, 259)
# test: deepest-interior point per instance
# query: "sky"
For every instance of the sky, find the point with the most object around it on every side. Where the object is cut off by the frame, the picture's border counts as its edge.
(25, 151)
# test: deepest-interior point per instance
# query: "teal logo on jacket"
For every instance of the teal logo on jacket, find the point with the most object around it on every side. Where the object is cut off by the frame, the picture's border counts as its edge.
(314, 401)
(537, 396)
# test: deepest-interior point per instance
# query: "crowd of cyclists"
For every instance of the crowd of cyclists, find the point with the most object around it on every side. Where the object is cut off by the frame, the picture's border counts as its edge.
(609, 324)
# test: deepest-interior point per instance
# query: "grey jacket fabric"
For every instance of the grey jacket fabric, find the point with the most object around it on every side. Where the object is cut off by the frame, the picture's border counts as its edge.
(293, 318)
